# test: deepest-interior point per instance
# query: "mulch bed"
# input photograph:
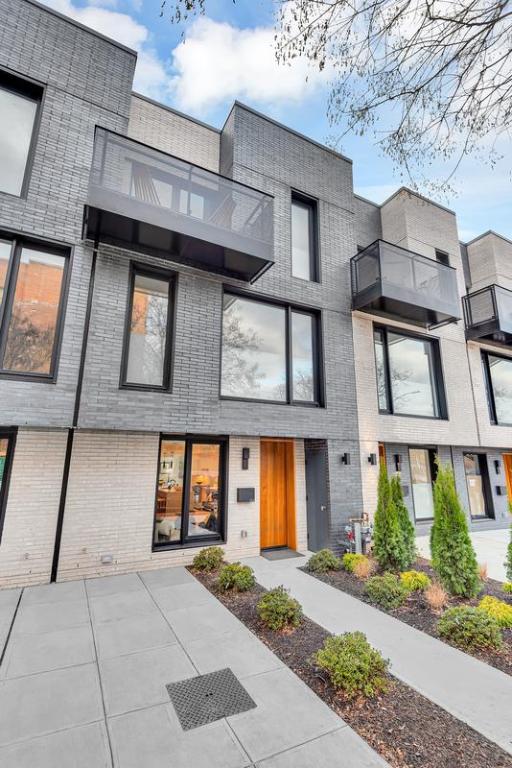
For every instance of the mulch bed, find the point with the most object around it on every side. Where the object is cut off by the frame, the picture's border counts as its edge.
(416, 612)
(408, 730)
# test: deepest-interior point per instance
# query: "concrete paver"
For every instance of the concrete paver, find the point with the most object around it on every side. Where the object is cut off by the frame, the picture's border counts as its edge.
(84, 676)
(471, 690)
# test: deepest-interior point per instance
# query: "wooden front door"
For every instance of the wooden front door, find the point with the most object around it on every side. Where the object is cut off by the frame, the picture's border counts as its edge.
(507, 459)
(277, 494)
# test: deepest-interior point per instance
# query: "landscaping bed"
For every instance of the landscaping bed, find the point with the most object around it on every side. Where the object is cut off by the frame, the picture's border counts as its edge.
(404, 727)
(416, 612)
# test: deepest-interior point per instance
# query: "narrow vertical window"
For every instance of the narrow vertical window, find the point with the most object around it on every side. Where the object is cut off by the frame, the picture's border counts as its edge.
(19, 105)
(303, 338)
(169, 500)
(380, 363)
(148, 332)
(304, 246)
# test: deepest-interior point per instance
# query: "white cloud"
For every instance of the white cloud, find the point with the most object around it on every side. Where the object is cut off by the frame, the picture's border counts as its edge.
(218, 62)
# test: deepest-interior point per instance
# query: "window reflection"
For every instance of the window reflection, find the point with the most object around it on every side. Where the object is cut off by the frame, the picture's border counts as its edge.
(203, 512)
(381, 371)
(33, 321)
(501, 382)
(16, 126)
(5, 253)
(302, 357)
(302, 239)
(148, 331)
(169, 500)
(412, 376)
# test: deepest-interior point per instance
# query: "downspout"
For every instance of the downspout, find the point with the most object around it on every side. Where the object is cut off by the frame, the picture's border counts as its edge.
(76, 414)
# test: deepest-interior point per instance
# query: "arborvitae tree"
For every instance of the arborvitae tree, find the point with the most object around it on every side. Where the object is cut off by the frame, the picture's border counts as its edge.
(388, 544)
(404, 521)
(453, 556)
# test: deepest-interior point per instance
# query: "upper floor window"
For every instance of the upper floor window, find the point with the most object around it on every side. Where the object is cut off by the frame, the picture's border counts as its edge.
(146, 360)
(443, 258)
(409, 376)
(499, 387)
(7, 438)
(304, 237)
(269, 352)
(32, 282)
(19, 106)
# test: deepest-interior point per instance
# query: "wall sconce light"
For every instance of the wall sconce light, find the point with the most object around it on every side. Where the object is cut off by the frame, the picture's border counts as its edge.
(345, 459)
(398, 462)
(372, 459)
(501, 490)
(245, 458)
(497, 466)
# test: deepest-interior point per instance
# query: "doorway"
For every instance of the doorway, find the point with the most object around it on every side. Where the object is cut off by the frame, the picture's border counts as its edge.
(477, 479)
(507, 463)
(317, 494)
(277, 494)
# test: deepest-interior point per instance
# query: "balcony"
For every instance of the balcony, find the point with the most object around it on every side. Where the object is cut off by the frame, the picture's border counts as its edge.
(488, 314)
(145, 200)
(393, 282)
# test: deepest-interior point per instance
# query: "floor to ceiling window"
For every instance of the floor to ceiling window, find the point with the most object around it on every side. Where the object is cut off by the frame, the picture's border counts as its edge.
(475, 466)
(422, 465)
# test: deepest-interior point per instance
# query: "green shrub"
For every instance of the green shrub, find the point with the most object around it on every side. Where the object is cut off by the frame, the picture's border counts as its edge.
(453, 556)
(208, 559)
(507, 587)
(508, 561)
(236, 576)
(404, 522)
(323, 561)
(386, 591)
(350, 559)
(469, 628)
(278, 610)
(415, 580)
(498, 609)
(388, 542)
(354, 667)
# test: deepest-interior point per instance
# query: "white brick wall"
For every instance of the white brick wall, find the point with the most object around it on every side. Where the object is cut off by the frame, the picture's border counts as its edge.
(28, 537)
(490, 261)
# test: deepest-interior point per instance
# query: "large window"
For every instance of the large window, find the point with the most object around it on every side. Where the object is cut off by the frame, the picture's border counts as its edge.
(190, 494)
(7, 438)
(423, 472)
(19, 106)
(409, 377)
(32, 288)
(477, 479)
(304, 238)
(148, 332)
(499, 387)
(269, 352)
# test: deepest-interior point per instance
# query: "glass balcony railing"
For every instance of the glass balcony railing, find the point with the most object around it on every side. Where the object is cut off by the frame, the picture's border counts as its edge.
(393, 282)
(143, 199)
(488, 314)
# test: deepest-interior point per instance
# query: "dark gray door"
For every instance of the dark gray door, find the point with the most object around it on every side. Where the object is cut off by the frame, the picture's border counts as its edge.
(317, 495)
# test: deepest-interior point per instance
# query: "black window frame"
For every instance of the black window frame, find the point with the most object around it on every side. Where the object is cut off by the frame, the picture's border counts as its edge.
(314, 236)
(318, 351)
(438, 377)
(10, 434)
(442, 257)
(33, 91)
(486, 485)
(489, 388)
(18, 242)
(187, 541)
(145, 270)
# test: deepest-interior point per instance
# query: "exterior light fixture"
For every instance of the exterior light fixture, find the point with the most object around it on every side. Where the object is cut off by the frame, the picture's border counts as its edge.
(345, 459)
(398, 462)
(372, 459)
(245, 458)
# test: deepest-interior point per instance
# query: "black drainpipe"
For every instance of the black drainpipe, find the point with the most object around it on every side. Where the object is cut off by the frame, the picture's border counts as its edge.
(76, 413)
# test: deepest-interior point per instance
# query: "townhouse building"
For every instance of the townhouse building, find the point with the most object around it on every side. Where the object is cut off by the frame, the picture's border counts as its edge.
(207, 337)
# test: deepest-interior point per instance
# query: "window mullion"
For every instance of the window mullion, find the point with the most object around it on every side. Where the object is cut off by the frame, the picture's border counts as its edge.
(289, 356)
(187, 471)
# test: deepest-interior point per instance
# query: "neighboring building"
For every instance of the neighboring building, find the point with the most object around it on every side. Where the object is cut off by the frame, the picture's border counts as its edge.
(182, 358)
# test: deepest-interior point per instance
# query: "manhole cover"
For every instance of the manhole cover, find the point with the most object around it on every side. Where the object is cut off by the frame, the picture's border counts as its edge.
(204, 699)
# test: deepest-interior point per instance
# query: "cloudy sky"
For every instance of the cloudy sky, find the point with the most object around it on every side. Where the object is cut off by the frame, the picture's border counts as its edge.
(229, 54)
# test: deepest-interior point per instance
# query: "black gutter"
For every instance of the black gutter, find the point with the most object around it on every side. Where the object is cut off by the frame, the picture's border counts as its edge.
(76, 413)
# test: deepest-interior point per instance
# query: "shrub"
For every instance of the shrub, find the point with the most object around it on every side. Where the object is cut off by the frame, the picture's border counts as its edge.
(323, 561)
(363, 568)
(388, 543)
(236, 576)
(469, 628)
(278, 610)
(354, 667)
(386, 591)
(498, 609)
(208, 559)
(351, 559)
(482, 571)
(508, 561)
(453, 556)
(436, 596)
(507, 587)
(415, 580)
(404, 522)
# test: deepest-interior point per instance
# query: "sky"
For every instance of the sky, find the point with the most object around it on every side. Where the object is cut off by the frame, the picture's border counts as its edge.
(200, 68)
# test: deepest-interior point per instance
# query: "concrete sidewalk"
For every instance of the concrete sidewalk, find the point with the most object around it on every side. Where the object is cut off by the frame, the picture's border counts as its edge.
(490, 548)
(83, 682)
(469, 689)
